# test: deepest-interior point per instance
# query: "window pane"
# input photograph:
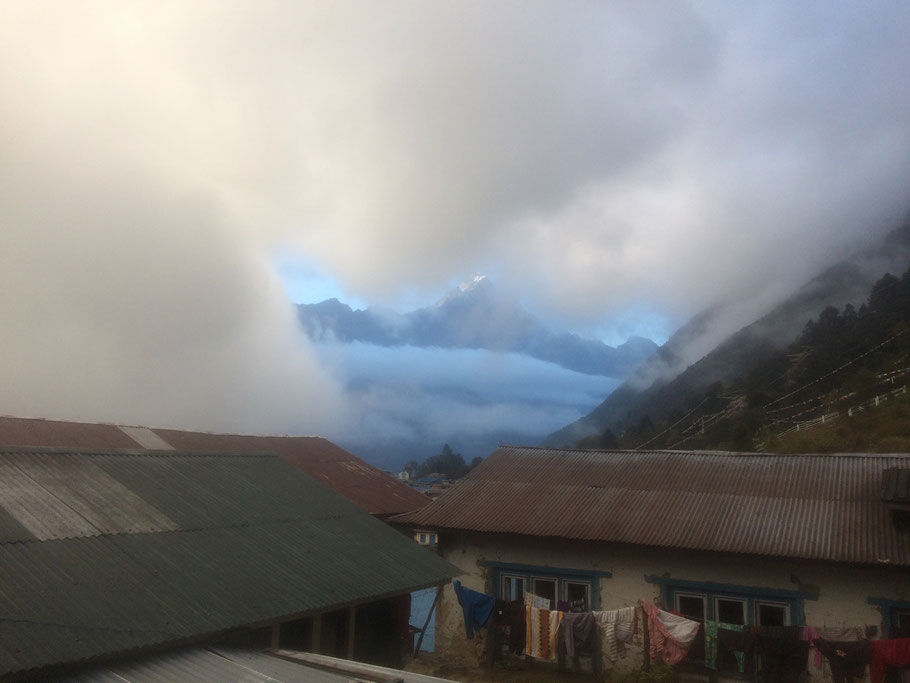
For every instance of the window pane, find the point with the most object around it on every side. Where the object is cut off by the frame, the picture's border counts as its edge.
(577, 596)
(730, 611)
(772, 615)
(691, 606)
(900, 624)
(512, 587)
(546, 588)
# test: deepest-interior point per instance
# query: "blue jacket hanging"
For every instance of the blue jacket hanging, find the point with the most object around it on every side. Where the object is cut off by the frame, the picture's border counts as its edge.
(476, 607)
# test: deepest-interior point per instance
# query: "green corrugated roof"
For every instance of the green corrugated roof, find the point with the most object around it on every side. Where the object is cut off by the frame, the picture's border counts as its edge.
(254, 540)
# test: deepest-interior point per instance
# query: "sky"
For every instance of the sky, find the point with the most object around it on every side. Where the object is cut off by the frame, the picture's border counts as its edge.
(173, 174)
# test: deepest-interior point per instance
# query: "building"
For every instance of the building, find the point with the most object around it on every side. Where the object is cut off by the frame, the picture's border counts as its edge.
(749, 539)
(109, 555)
(343, 472)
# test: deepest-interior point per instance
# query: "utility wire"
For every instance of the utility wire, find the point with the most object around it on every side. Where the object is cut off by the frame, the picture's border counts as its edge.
(654, 438)
(836, 370)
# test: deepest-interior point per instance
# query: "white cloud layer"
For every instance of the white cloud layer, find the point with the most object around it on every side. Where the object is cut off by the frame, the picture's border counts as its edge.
(597, 156)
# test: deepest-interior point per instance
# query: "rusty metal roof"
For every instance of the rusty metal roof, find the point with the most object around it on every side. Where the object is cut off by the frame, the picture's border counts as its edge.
(825, 507)
(21, 431)
(110, 552)
(343, 472)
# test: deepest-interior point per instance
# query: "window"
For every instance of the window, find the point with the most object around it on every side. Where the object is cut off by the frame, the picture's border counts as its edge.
(900, 624)
(423, 538)
(545, 588)
(772, 614)
(511, 587)
(557, 585)
(578, 595)
(730, 610)
(895, 617)
(691, 606)
(738, 605)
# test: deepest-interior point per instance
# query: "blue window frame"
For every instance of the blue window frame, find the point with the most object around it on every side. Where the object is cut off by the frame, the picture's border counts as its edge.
(580, 587)
(746, 605)
(895, 617)
(729, 603)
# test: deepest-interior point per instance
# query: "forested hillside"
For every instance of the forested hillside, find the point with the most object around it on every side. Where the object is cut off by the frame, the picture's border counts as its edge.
(841, 386)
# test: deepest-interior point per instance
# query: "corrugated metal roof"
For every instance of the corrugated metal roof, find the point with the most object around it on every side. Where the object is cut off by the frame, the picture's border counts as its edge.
(372, 489)
(54, 497)
(21, 431)
(896, 486)
(253, 541)
(250, 666)
(341, 471)
(825, 507)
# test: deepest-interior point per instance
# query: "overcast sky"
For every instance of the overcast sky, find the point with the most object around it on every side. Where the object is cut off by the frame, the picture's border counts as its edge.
(619, 165)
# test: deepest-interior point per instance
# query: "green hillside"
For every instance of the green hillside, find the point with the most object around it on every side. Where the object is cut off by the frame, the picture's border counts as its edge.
(841, 386)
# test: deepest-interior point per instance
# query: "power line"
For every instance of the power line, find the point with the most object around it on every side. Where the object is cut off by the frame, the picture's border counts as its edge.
(836, 370)
(672, 425)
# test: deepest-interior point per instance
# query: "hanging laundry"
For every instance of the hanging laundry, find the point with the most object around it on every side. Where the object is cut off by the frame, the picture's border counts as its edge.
(670, 635)
(618, 627)
(532, 600)
(540, 632)
(847, 659)
(885, 653)
(839, 634)
(734, 648)
(511, 615)
(579, 630)
(516, 627)
(476, 607)
(711, 629)
(784, 655)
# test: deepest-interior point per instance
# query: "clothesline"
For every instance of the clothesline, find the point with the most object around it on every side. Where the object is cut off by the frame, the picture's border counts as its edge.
(536, 631)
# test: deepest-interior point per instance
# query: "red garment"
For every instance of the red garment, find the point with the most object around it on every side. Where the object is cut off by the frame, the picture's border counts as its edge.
(895, 652)
(665, 645)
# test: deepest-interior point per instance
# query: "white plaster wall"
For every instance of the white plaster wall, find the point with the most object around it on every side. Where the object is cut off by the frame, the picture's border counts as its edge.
(842, 590)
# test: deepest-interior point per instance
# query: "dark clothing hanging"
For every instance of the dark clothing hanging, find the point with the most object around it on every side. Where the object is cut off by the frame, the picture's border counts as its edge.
(517, 625)
(578, 630)
(511, 615)
(729, 643)
(848, 660)
(784, 655)
(476, 607)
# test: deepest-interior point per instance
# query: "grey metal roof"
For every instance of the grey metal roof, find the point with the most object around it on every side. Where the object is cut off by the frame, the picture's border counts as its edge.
(181, 546)
(896, 486)
(226, 664)
(341, 471)
(825, 507)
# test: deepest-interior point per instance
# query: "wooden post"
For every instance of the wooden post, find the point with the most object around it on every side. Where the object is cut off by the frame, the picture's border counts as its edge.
(427, 622)
(645, 640)
(316, 636)
(352, 622)
(276, 636)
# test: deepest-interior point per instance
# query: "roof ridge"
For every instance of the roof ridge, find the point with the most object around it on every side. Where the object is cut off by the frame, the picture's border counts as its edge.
(145, 452)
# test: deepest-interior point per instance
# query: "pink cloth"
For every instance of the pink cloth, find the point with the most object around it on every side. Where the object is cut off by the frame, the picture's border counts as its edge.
(670, 635)
(809, 634)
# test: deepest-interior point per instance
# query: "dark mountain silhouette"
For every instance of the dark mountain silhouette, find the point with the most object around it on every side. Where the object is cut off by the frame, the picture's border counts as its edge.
(472, 316)
(663, 386)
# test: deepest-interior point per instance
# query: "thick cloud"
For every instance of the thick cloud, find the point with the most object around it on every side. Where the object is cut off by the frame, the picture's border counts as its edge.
(600, 157)
(403, 402)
